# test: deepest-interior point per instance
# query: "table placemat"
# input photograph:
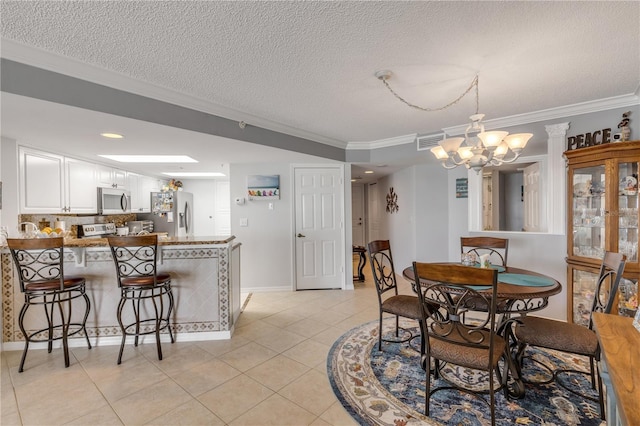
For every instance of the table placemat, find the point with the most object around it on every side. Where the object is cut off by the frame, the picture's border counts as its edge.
(525, 280)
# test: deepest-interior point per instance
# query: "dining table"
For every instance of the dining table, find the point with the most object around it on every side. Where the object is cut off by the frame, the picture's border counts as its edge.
(520, 292)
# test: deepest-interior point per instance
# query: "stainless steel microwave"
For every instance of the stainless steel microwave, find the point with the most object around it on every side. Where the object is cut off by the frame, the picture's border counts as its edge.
(113, 201)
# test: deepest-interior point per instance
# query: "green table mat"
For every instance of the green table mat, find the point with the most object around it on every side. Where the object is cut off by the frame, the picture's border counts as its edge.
(525, 280)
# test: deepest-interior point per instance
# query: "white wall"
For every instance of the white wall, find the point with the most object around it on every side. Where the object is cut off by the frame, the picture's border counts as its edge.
(267, 243)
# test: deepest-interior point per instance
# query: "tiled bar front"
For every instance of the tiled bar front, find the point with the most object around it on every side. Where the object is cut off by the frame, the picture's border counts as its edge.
(205, 284)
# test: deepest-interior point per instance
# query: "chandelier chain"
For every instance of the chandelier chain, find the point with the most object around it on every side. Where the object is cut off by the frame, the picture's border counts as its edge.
(473, 84)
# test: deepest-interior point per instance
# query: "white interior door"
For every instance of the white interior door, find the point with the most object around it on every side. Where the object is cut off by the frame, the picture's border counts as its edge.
(357, 215)
(531, 179)
(319, 227)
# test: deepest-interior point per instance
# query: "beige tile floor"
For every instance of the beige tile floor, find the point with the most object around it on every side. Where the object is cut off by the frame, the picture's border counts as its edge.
(272, 372)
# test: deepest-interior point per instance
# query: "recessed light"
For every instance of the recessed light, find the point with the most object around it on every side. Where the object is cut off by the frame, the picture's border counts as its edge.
(194, 174)
(150, 158)
(368, 172)
(112, 135)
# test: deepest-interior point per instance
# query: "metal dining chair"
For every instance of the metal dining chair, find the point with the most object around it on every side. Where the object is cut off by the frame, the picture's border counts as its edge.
(456, 338)
(574, 338)
(389, 301)
(496, 248)
(40, 266)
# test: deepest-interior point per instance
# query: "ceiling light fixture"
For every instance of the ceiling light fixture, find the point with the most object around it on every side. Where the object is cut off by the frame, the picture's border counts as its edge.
(480, 148)
(150, 158)
(112, 135)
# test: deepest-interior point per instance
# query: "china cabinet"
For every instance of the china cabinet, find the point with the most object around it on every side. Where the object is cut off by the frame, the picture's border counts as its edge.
(602, 200)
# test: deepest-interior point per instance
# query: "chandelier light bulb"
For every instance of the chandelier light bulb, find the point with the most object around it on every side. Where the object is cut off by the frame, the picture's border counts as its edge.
(439, 152)
(492, 139)
(518, 141)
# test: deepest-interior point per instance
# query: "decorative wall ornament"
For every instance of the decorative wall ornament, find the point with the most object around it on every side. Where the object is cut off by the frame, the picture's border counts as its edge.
(392, 201)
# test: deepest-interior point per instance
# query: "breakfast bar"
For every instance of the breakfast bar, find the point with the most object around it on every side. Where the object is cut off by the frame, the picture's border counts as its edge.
(205, 275)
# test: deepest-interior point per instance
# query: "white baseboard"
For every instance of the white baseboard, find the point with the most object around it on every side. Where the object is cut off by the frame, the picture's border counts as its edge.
(115, 340)
(265, 289)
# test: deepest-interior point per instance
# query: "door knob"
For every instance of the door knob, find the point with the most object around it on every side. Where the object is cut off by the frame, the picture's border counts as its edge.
(300, 235)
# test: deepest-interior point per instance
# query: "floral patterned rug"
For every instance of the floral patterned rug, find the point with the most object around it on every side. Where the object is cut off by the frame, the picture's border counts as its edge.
(387, 387)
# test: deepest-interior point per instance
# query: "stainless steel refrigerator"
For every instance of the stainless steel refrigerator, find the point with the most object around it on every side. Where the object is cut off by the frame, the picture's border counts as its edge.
(171, 212)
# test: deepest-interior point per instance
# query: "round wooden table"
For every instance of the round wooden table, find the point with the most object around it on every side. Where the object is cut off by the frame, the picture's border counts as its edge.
(515, 300)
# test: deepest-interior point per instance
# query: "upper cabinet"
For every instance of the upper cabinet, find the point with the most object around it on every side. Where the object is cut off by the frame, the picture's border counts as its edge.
(51, 183)
(141, 188)
(109, 177)
(603, 216)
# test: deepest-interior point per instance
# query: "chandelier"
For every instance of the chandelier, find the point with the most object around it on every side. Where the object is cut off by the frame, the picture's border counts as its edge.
(477, 148)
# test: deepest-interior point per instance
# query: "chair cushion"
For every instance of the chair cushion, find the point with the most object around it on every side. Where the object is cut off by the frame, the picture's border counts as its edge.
(557, 335)
(146, 280)
(70, 283)
(403, 305)
(466, 356)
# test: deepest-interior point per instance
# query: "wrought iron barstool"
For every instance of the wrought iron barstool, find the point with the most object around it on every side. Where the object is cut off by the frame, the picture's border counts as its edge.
(139, 281)
(40, 265)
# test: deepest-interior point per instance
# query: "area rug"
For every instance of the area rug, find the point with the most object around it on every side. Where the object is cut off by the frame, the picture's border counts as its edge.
(387, 387)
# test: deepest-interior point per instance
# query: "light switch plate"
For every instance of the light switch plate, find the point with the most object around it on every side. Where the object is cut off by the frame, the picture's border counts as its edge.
(244, 221)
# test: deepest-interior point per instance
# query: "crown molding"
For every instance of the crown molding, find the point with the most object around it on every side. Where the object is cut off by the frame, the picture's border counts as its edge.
(516, 120)
(40, 58)
(621, 101)
(383, 143)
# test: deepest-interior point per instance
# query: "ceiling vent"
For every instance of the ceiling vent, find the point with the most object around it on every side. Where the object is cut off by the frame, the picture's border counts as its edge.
(428, 141)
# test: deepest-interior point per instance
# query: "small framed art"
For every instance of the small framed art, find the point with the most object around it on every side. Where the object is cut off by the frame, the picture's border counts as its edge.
(261, 187)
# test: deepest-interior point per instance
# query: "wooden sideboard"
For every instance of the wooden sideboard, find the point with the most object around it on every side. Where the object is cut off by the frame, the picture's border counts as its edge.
(620, 367)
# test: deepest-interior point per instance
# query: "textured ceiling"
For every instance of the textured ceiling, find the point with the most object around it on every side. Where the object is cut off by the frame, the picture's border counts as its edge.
(310, 65)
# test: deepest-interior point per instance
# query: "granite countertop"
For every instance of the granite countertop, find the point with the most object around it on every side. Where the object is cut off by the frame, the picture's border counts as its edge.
(162, 241)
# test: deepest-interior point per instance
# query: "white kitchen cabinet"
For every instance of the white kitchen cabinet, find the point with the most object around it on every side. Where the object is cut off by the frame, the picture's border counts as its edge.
(41, 182)
(81, 193)
(109, 177)
(141, 188)
(51, 183)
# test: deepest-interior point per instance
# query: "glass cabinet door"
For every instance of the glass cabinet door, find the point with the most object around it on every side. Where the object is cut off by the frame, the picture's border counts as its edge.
(589, 208)
(628, 210)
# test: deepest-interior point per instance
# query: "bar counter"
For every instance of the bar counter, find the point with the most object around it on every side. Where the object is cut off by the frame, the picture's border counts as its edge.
(205, 278)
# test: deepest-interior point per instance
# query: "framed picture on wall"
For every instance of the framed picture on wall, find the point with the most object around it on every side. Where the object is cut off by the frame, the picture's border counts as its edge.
(261, 187)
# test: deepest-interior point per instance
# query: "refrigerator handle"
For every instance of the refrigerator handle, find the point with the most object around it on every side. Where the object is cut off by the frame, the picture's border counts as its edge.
(187, 223)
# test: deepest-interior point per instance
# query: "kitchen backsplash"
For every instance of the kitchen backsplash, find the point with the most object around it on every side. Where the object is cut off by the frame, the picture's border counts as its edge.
(72, 221)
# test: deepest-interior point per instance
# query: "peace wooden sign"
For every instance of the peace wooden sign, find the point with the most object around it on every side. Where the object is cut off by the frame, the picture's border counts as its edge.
(598, 137)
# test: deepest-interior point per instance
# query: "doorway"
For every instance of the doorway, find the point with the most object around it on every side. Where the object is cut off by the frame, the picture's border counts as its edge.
(319, 228)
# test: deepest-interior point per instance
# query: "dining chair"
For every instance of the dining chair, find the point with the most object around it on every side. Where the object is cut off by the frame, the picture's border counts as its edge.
(40, 267)
(454, 336)
(135, 259)
(496, 248)
(389, 301)
(574, 338)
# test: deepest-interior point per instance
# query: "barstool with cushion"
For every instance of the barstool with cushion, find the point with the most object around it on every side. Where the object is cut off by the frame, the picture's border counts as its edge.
(148, 290)
(40, 266)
